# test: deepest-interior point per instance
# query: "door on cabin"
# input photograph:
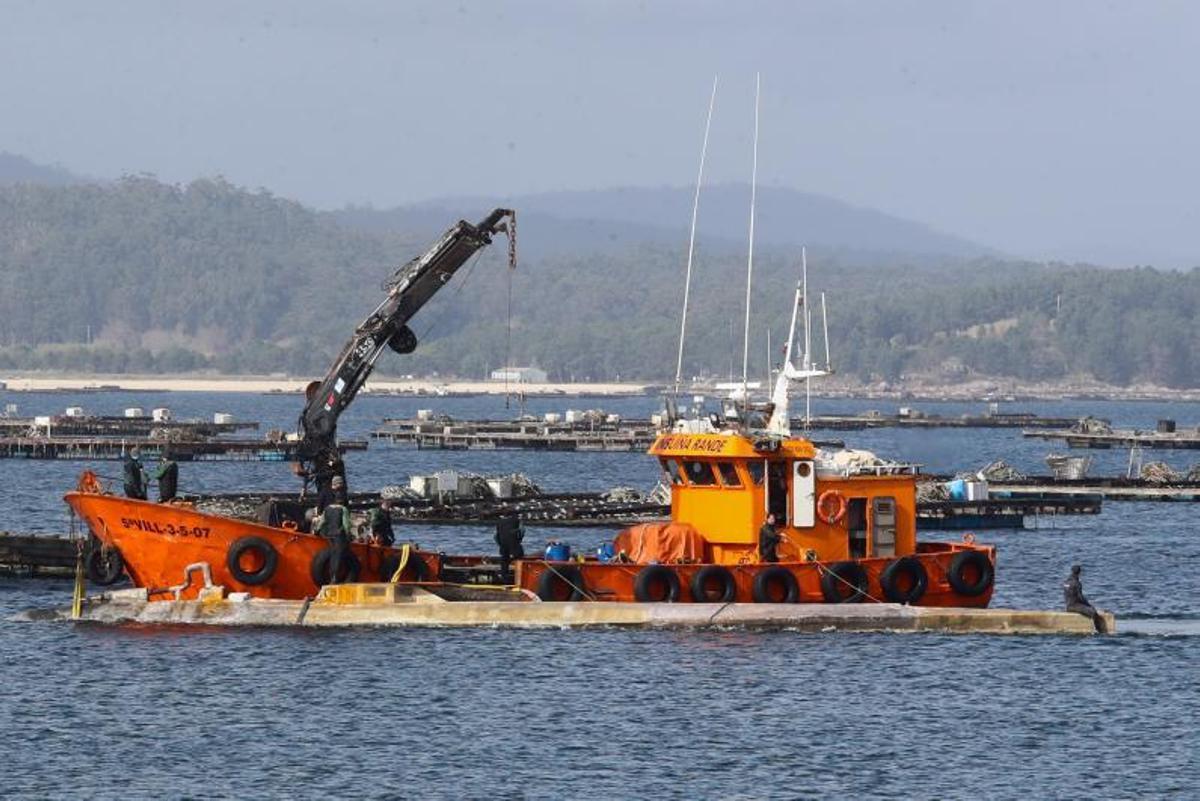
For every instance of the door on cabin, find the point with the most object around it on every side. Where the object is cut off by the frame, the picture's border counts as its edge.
(804, 494)
(777, 491)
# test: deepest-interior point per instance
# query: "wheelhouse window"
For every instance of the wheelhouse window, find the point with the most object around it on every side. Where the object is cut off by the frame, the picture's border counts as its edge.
(756, 472)
(699, 474)
(729, 474)
(671, 468)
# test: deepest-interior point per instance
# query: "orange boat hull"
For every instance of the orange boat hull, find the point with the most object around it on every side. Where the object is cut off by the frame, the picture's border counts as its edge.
(158, 541)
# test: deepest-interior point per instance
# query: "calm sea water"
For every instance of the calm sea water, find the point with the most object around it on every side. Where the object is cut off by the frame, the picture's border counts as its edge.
(373, 713)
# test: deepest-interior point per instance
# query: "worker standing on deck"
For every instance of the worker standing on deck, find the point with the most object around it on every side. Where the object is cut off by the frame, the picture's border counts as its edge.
(381, 524)
(135, 475)
(509, 536)
(768, 541)
(333, 523)
(1076, 602)
(333, 492)
(167, 476)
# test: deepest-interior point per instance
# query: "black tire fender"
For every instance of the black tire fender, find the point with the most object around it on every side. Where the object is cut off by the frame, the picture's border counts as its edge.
(708, 574)
(267, 553)
(766, 579)
(561, 584)
(318, 570)
(889, 580)
(104, 565)
(644, 582)
(836, 577)
(965, 561)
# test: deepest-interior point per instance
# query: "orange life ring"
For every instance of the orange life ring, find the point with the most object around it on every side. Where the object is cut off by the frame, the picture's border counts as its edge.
(89, 483)
(831, 507)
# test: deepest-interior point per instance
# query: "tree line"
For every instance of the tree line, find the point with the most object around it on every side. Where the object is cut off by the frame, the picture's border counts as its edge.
(142, 276)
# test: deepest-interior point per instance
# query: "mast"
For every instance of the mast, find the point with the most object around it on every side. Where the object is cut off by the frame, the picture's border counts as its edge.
(807, 364)
(687, 283)
(750, 257)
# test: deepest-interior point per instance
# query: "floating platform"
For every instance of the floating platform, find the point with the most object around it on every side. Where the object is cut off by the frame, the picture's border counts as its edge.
(1119, 438)
(1000, 512)
(37, 555)
(197, 450)
(1106, 489)
(410, 605)
(113, 426)
(859, 422)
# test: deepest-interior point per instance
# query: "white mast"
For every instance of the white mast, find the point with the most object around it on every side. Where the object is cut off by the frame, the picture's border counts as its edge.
(750, 258)
(780, 423)
(687, 283)
(807, 364)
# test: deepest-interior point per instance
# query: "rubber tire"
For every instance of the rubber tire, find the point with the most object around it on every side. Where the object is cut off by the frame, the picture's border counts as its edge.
(835, 577)
(920, 580)
(318, 570)
(389, 563)
(270, 560)
(550, 581)
(647, 578)
(704, 575)
(958, 565)
(102, 571)
(763, 580)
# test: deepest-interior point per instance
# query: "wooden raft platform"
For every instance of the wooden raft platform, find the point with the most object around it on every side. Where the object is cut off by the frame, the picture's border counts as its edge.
(444, 433)
(113, 426)
(1121, 438)
(420, 606)
(198, 450)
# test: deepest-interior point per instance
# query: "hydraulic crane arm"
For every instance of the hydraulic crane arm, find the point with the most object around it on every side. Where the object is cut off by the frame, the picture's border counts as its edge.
(387, 327)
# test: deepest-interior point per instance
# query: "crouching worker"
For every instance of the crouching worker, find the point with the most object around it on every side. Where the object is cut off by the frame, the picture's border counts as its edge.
(509, 535)
(333, 523)
(381, 524)
(1076, 602)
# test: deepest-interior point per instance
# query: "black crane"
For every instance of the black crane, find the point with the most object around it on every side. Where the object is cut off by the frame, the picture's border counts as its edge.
(387, 327)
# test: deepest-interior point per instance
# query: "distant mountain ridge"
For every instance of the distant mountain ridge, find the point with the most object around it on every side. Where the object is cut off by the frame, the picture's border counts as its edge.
(785, 218)
(16, 169)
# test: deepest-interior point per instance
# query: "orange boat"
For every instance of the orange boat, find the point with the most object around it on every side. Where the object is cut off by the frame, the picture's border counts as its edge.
(849, 535)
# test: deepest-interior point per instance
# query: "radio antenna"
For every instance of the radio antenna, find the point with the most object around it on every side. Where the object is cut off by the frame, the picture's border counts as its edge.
(687, 282)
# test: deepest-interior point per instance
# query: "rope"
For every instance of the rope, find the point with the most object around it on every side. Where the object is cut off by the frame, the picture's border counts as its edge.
(854, 587)
(404, 551)
(568, 582)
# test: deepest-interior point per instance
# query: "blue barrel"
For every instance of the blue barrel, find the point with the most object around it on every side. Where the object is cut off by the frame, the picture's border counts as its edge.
(958, 490)
(605, 552)
(558, 551)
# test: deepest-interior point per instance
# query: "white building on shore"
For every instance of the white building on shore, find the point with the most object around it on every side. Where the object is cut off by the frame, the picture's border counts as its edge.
(520, 375)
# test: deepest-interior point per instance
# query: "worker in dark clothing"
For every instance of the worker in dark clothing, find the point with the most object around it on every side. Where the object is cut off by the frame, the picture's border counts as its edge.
(1076, 602)
(509, 536)
(167, 476)
(135, 476)
(334, 525)
(333, 492)
(768, 541)
(381, 524)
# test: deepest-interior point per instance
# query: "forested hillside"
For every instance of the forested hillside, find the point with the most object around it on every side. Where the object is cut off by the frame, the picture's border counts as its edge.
(142, 276)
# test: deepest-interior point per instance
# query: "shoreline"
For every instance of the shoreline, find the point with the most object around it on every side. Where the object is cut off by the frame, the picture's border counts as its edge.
(913, 390)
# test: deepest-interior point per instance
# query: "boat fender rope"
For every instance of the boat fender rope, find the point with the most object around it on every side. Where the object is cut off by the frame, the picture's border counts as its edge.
(578, 592)
(831, 516)
(835, 576)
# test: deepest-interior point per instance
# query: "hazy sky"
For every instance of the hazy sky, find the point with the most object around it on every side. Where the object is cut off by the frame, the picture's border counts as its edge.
(1049, 129)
